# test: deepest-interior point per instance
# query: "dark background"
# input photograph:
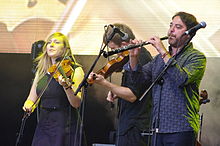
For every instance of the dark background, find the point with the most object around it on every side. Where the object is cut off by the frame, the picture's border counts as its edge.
(16, 77)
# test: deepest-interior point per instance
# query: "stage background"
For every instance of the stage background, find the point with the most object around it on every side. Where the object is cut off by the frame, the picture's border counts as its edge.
(24, 22)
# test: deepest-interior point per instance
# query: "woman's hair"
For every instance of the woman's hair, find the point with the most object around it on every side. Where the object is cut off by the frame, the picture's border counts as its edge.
(44, 61)
(117, 38)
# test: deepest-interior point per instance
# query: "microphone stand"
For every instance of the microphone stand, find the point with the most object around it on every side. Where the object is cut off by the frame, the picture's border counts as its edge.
(155, 125)
(84, 83)
(21, 131)
(158, 79)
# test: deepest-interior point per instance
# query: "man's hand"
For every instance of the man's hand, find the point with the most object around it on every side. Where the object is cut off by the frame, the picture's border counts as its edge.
(111, 97)
(96, 78)
(133, 53)
(157, 43)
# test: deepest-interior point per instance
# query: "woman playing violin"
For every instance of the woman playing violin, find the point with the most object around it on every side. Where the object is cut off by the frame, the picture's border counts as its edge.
(58, 104)
(133, 115)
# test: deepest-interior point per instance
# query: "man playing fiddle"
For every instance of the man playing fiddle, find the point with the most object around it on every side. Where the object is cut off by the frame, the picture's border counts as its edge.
(133, 115)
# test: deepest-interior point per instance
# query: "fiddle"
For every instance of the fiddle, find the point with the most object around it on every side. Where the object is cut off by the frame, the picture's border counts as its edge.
(64, 69)
(114, 65)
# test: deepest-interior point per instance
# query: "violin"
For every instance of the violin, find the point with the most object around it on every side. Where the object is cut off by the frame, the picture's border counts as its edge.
(64, 68)
(114, 65)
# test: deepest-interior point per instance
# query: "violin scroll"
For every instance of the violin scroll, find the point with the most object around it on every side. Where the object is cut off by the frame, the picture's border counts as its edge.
(203, 97)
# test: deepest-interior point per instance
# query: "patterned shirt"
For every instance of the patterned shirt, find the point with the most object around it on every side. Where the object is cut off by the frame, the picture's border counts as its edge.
(177, 91)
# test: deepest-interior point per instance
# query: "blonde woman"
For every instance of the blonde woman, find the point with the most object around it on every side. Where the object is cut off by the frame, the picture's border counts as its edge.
(58, 104)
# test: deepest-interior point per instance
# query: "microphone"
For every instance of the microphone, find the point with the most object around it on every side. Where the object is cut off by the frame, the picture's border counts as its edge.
(124, 36)
(195, 28)
(125, 48)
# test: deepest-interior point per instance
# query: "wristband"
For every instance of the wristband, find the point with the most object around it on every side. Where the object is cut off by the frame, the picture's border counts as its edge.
(28, 104)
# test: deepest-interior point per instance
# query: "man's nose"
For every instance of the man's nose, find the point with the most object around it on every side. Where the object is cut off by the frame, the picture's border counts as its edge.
(171, 29)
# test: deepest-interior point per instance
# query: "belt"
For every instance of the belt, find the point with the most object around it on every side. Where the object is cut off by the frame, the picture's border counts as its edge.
(53, 108)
